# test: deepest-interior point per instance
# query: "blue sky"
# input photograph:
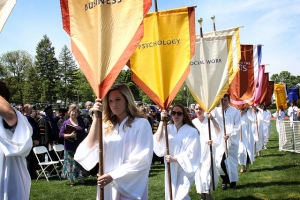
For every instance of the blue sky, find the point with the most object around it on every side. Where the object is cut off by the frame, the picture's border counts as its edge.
(273, 23)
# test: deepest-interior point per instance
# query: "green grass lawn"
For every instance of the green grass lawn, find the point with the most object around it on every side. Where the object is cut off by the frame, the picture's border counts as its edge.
(274, 175)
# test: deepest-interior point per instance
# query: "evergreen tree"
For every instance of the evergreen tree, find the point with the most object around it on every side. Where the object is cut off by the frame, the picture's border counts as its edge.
(68, 69)
(47, 69)
(31, 87)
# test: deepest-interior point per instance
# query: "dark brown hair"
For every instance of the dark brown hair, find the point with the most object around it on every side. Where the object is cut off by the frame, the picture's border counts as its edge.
(4, 91)
(186, 117)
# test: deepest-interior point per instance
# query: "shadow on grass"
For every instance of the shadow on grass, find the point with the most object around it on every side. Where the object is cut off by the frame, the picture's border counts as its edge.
(90, 182)
(245, 198)
(275, 168)
(156, 169)
(269, 155)
(259, 185)
(253, 198)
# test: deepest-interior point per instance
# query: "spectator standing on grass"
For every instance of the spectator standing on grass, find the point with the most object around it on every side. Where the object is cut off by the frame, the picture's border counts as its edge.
(15, 145)
(32, 163)
(292, 112)
(72, 169)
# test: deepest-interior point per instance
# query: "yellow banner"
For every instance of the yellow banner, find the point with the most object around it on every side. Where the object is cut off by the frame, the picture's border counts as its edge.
(104, 35)
(280, 96)
(160, 63)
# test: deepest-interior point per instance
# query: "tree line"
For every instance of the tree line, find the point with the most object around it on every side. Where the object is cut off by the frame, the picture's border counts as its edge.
(46, 79)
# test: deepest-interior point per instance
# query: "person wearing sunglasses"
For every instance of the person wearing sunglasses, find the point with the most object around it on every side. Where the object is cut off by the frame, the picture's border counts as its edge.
(203, 180)
(184, 151)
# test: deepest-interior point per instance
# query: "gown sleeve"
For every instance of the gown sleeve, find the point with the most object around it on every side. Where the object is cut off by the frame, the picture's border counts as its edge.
(18, 143)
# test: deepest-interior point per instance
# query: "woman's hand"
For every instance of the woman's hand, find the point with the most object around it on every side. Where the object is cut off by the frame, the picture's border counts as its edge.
(104, 180)
(209, 142)
(170, 159)
(209, 116)
(97, 107)
(163, 114)
(73, 134)
(225, 137)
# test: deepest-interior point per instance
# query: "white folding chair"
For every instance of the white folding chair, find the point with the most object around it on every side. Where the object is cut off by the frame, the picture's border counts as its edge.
(57, 149)
(41, 150)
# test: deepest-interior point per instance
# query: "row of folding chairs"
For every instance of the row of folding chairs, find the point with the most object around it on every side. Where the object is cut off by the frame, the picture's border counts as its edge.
(49, 164)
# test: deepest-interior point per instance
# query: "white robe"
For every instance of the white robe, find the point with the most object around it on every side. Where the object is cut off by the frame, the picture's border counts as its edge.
(203, 180)
(184, 145)
(247, 141)
(292, 113)
(266, 125)
(233, 125)
(127, 155)
(257, 128)
(15, 180)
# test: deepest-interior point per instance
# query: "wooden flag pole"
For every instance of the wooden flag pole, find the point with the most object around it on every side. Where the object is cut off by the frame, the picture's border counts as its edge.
(211, 157)
(101, 171)
(223, 114)
(209, 130)
(168, 153)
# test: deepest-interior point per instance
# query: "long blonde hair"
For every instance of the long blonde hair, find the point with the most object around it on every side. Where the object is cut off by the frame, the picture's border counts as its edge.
(109, 118)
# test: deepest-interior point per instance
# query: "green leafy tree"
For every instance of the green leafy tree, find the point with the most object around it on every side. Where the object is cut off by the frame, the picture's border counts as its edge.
(68, 76)
(14, 65)
(287, 78)
(83, 87)
(47, 69)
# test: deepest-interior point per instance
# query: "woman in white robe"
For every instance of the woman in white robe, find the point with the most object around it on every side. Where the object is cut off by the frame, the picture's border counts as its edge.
(15, 145)
(246, 146)
(203, 180)
(184, 149)
(255, 116)
(127, 147)
(266, 116)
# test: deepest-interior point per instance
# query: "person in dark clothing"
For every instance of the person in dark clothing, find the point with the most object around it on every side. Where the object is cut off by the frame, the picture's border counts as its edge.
(32, 163)
(155, 119)
(49, 131)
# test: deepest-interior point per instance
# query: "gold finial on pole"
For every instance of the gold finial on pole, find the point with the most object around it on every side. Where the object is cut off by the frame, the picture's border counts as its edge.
(214, 24)
(200, 20)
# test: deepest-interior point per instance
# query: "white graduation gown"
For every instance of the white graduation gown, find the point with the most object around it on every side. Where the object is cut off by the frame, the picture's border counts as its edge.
(184, 145)
(233, 125)
(247, 141)
(127, 155)
(203, 174)
(257, 128)
(266, 116)
(15, 180)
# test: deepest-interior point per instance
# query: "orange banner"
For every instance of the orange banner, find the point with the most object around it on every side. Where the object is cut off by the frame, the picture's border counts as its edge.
(269, 94)
(264, 88)
(104, 34)
(242, 88)
(160, 64)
